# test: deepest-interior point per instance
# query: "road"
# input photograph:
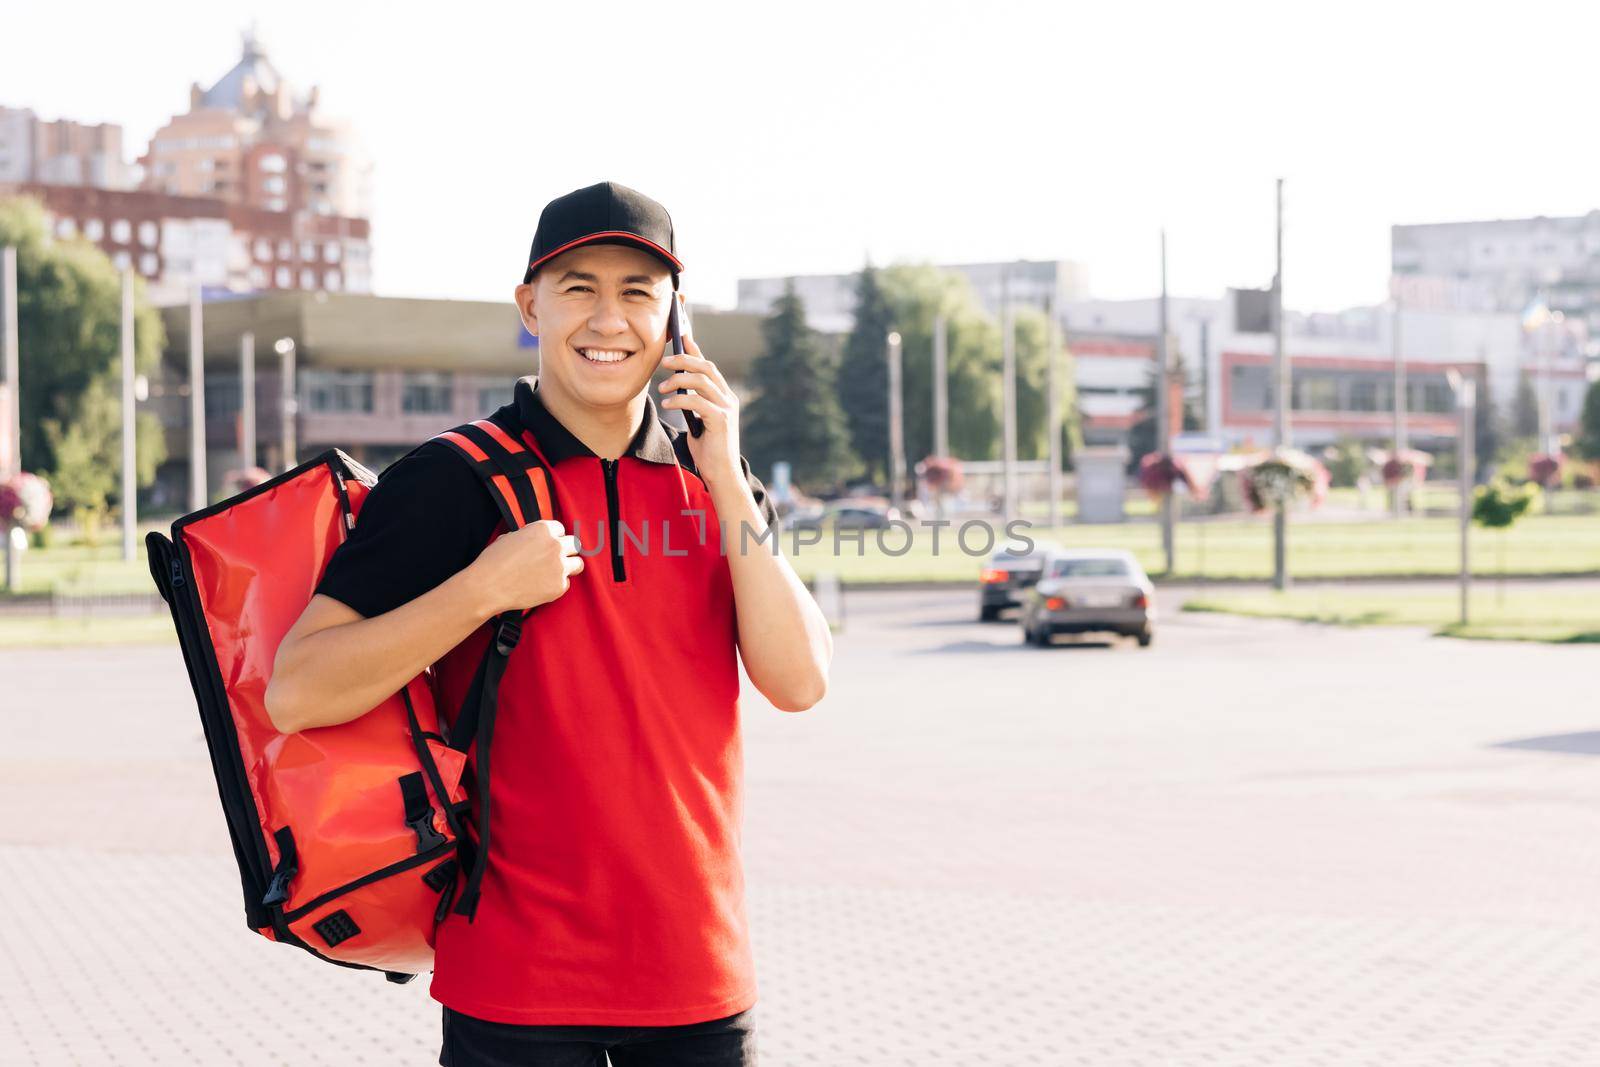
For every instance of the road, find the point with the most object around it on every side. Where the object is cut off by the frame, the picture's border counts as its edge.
(1255, 843)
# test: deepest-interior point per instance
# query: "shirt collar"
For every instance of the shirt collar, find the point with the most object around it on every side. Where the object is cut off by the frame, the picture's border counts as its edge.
(652, 443)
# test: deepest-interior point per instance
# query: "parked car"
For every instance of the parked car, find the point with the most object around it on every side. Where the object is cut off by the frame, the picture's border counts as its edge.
(860, 514)
(1089, 591)
(1008, 574)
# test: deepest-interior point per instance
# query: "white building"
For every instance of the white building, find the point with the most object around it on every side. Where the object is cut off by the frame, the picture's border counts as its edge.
(830, 299)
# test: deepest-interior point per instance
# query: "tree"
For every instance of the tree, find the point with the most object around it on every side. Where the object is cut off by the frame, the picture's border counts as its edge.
(863, 378)
(795, 415)
(69, 314)
(1489, 431)
(1497, 506)
(1142, 434)
(1588, 443)
(1525, 409)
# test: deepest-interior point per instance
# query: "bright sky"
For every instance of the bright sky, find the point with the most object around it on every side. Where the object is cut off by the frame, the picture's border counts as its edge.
(802, 138)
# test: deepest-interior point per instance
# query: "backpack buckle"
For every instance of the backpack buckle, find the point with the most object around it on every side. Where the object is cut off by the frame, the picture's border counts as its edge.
(506, 635)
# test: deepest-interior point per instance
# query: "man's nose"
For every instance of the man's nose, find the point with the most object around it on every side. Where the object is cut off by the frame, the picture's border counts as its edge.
(607, 316)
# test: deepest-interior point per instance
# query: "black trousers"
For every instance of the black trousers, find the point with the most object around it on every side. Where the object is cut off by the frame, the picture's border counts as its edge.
(472, 1042)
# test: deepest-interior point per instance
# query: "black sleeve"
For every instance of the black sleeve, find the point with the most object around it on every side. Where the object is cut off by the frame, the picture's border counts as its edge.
(426, 519)
(769, 511)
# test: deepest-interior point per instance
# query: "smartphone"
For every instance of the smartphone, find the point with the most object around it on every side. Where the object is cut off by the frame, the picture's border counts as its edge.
(677, 330)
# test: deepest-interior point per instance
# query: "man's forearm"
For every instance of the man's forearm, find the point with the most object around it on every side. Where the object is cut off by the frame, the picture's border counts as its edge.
(783, 636)
(340, 672)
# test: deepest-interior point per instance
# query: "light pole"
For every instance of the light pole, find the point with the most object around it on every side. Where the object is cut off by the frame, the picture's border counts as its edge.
(897, 444)
(197, 402)
(287, 404)
(1466, 390)
(1163, 406)
(1280, 420)
(130, 506)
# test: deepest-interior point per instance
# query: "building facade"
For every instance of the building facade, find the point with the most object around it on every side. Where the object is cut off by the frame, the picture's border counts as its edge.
(374, 376)
(830, 299)
(250, 190)
(251, 140)
(61, 152)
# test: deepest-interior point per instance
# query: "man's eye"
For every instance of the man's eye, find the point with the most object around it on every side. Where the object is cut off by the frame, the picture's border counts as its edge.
(578, 289)
(636, 292)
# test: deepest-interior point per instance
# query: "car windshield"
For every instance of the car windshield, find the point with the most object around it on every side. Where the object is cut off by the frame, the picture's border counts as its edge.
(1089, 568)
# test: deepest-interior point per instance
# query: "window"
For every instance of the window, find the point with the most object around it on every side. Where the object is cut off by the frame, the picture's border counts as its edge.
(272, 164)
(94, 229)
(285, 249)
(1252, 388)
(283, 278)
(121, 231)
(308, 252)
(1089, 568)
(425, 393)
(308, 279)
(66, 228)
(122, 260)
(273, 183)
(1368, 394)
(331, 281)
(330, 251)
(149, 265)
(494, 396)
(224, 396)
(263, 249)
(148, 233)
(1316, 392)
(337, 390)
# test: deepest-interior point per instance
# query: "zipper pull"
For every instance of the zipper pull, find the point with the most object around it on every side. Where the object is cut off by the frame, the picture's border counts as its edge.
(177, 574)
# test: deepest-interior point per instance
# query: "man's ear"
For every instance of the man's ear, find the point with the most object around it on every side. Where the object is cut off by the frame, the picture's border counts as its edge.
(524, 298)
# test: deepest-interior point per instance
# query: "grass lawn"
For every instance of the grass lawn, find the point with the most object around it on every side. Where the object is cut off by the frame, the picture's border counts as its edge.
(1520, 614)
(47, 631)
(1241, 548)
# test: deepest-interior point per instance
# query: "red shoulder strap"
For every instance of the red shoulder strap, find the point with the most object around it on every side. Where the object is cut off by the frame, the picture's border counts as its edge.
(516, 476)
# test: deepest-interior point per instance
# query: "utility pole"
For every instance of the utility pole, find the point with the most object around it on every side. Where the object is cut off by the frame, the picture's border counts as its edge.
(287, 404)
(12, 426)
(1163, 403)
(1400, 398)
(130, 502)
(1280, 416)
(1009, 390)
(1052, 356)
(941, 386)
(247, 401)
(897, 443)
(197, 403)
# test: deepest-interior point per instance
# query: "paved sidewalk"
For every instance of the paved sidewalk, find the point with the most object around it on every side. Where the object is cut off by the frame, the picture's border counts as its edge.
(1255, 843)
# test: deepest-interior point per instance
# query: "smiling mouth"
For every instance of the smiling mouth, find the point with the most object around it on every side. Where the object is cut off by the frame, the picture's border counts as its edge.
(604, 355)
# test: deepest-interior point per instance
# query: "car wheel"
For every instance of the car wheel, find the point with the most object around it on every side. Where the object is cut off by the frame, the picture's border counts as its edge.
(988, 613)
(1145, 637)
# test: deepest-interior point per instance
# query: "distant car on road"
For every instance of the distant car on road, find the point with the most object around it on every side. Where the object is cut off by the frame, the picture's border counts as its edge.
(863, 513)
(1089, 591)
(1008, 574)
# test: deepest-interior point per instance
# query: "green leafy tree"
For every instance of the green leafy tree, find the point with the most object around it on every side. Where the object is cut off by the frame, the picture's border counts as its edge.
(1142, 433)
(863, 377)
(795, 415)
(69, 314)
(1497, 506)
(1489, 430)
(1588, 443)
(1525, 409)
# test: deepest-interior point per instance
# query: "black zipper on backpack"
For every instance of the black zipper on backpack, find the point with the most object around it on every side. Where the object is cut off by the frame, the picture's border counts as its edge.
(619, 572)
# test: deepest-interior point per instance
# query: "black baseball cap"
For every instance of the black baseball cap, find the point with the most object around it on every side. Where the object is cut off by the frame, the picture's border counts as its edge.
(606, 213)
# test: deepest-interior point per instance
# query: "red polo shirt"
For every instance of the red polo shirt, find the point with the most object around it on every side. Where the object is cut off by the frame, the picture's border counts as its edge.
(614, 894)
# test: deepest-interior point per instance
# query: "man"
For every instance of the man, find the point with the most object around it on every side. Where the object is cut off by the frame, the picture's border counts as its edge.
(611, 918)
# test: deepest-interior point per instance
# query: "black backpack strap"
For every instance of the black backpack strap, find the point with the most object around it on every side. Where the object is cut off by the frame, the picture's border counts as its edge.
(517, 479)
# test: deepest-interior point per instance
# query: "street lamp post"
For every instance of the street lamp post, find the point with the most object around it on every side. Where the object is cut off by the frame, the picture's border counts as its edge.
(897, 443)
(1466, 390)
(288, 406)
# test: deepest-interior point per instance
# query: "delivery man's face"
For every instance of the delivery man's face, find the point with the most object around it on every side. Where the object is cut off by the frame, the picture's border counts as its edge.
(600, 313)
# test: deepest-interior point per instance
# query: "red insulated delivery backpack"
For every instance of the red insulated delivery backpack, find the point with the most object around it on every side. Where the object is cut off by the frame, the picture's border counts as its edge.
(349, 838)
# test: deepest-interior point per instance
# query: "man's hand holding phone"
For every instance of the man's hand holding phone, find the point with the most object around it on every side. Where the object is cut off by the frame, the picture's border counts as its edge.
(716, 449)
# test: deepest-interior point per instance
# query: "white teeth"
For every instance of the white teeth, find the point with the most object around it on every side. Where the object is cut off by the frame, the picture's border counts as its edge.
(604, 355)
